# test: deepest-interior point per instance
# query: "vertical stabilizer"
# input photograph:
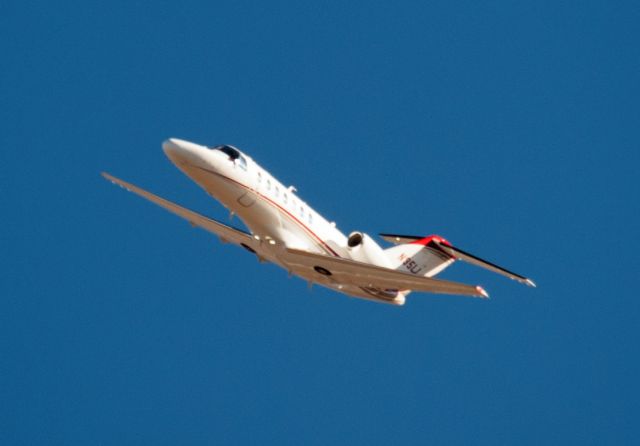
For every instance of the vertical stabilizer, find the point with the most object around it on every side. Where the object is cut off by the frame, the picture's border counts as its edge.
(421, 257)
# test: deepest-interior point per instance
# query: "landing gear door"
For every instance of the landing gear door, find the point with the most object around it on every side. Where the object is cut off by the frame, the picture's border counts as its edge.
(247, 199)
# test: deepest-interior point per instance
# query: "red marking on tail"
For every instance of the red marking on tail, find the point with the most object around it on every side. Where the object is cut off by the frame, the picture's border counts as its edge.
(425, 241)
(432, 241)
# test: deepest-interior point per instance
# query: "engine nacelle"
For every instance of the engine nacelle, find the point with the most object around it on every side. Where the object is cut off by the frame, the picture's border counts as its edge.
(363, 248)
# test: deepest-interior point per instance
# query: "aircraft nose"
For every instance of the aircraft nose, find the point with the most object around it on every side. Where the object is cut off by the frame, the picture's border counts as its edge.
(170, 146)
(180, 151)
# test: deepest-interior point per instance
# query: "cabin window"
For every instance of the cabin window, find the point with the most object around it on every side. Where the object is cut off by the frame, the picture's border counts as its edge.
(268, 184)
(277, 191)
(301, 211)
(310, 218)
(259, 177)
(284, 198)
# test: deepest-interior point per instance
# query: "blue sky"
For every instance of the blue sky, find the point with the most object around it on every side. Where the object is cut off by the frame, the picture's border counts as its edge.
(510, 128)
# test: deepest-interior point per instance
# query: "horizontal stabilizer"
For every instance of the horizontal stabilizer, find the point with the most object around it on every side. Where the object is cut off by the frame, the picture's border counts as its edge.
(400, 239)
(470, 258)
(438, 243)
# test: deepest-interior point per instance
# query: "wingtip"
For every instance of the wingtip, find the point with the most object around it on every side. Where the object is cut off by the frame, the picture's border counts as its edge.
(483, 292)
(117, 181)
(107, 176)
(531, 283)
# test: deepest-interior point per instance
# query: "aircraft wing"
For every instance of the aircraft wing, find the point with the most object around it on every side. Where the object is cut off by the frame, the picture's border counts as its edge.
(226, 233)
(361, 274)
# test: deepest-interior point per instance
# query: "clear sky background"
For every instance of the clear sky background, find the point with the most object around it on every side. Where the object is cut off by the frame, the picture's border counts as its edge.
(510, 128)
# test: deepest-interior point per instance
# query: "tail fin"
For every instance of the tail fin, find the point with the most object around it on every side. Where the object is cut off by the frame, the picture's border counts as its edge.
(422, 256)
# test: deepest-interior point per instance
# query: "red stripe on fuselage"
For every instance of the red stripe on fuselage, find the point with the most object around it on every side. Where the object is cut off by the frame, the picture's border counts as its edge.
(323, 244)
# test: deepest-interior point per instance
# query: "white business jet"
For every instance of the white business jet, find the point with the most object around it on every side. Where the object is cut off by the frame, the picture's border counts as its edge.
(284, 230)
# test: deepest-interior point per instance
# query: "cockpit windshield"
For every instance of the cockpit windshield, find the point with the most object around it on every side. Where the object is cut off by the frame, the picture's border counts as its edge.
(233, 154)
(229, 150)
